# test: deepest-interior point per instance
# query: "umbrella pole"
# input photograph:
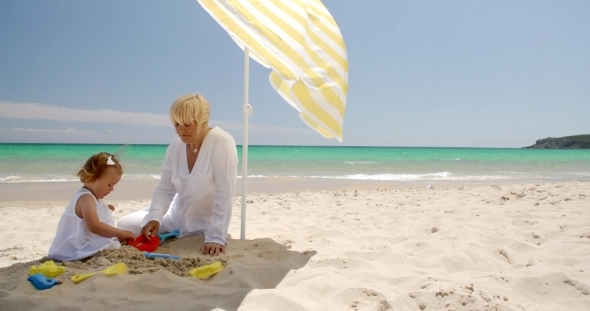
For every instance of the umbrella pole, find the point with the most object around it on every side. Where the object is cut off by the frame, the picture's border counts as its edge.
(247, 113)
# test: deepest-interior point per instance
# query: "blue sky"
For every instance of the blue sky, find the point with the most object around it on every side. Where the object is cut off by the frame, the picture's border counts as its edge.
(421, 73)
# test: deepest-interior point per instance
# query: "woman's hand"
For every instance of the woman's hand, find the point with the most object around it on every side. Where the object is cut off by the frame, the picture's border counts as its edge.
(150, 229)
(213, 249)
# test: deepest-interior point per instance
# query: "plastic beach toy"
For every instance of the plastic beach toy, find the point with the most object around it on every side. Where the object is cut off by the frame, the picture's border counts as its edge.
(41, 282)
(171, 234)
(48, 269)
(142, 244)
(158, 255)
(206, 271)
(118, 268)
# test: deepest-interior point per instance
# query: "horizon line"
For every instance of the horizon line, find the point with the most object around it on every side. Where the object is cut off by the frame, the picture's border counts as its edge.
(257, 145)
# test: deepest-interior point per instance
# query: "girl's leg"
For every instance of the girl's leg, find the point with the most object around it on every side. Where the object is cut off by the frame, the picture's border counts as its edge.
(132, 222)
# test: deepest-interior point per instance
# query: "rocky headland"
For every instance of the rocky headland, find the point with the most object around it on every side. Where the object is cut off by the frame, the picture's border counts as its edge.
(566, 142)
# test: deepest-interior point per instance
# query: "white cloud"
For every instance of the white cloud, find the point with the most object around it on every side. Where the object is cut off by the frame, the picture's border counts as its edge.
(30, 111)
(31, 130)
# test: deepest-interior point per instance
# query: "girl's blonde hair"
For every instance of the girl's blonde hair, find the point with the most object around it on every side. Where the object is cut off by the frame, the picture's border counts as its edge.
(190, 108)
(96, 166)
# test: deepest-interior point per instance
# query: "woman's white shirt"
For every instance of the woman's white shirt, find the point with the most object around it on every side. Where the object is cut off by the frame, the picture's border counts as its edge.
(199, 201)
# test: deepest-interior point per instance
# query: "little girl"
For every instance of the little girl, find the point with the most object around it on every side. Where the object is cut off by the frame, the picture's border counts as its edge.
(87, 225)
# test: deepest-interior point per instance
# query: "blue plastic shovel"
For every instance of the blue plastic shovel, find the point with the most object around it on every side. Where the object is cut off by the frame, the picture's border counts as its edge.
(158, 255)
(171, 234)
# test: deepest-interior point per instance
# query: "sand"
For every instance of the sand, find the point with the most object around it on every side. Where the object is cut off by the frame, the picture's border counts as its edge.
(369, 247)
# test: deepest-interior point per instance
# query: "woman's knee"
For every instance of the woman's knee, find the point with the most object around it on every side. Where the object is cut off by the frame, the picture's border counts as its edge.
(131, 223)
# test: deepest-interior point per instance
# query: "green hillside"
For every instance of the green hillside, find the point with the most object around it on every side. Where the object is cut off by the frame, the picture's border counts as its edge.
(566, 142)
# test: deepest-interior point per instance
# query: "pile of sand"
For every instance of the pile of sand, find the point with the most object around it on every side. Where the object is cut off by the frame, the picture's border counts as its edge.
(137, 263)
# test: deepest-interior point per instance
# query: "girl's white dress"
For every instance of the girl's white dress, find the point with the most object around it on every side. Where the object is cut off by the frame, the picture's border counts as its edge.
(73, 240)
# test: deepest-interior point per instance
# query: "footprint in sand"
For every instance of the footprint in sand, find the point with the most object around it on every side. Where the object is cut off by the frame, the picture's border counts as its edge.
(503, 253)
(266, 255)
(524, 223)
(584, 289)
(363, 298)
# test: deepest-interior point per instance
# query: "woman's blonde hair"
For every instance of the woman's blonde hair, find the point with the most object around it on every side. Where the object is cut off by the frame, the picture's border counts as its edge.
(190, 108)
(97, 165)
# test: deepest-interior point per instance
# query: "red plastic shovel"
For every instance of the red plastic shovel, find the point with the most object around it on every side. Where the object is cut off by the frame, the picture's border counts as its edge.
(142, 244)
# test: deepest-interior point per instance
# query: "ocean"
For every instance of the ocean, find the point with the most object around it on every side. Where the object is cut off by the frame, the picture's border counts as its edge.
(21, 163)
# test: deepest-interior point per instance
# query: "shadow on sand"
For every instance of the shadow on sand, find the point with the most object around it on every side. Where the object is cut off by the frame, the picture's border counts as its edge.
(252, 264)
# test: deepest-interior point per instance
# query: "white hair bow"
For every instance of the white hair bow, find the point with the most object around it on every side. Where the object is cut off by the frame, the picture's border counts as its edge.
(110, 161)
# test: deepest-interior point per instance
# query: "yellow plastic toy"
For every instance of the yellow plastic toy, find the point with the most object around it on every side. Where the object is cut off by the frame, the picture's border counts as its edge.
(118, 268)
(48, 269)
(206, 271)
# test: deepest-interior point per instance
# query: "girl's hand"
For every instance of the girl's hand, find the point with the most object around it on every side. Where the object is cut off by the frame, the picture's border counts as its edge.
(111, 207)
(124, 235)
(150, 229)
(213, 249)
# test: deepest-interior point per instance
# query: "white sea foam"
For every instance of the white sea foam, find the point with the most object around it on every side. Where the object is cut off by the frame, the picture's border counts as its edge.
(580, 173)
(412, 177)
(9, 178)
(440, 176)
(15, 179)
(140, 176)
(27, 180)
(400, 177)
(361, 162)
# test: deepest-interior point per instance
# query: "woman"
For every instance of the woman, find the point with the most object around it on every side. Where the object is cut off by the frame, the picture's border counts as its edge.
(199, 173)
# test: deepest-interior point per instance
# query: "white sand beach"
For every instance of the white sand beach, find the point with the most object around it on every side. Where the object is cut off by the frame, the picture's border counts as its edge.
(371, 247)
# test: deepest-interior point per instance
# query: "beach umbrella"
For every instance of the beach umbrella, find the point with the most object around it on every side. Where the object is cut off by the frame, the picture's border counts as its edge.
(302, 45)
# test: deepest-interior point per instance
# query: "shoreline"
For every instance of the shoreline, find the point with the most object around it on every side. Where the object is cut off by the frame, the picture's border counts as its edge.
(128, 190)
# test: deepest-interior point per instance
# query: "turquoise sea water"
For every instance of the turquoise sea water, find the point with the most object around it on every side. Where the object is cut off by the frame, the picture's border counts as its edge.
(60, 162)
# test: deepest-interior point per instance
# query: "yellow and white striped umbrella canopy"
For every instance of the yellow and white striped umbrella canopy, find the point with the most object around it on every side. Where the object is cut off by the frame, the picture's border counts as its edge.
(302, 44)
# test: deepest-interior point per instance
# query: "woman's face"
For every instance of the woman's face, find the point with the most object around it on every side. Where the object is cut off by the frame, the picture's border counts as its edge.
(187, 133)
